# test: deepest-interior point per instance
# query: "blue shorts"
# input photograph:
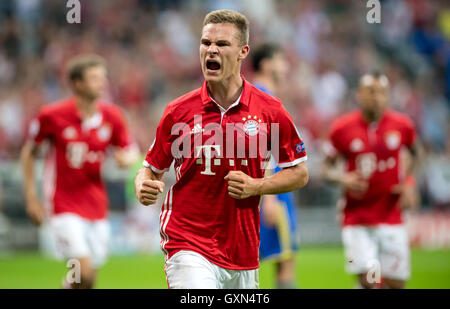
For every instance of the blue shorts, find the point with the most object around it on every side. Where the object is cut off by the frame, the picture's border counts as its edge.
(279, 242)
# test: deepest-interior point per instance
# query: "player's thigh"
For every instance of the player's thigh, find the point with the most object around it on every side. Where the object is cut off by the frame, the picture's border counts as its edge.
(394, 252)
(360, 248)
(189, 270)
(99, 235)
(69, 232)
(240, 279)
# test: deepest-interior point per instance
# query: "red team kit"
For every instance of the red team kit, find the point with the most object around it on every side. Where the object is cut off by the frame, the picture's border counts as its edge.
(188, 221)
(72, 181)
(373, 150)
(198, 214)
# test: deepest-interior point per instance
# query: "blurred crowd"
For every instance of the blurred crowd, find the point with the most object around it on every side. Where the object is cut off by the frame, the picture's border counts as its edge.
(152, 50)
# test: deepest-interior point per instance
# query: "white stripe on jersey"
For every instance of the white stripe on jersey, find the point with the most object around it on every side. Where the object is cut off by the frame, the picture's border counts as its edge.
(298, 133)
(293, 163)
(161, 220)
(166, 221)
(154, 169)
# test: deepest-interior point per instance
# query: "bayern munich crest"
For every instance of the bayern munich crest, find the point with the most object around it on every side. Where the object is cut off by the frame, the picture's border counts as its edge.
(392, 139)
(251, 125)
(104, 133)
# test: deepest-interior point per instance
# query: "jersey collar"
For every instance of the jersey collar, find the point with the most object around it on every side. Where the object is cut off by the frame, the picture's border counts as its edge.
(244, 98)
(373, 124)
(92, 122)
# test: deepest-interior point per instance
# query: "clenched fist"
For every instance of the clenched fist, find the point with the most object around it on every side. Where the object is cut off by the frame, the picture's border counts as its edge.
(241, 186)
(355, 184)
(148, 191)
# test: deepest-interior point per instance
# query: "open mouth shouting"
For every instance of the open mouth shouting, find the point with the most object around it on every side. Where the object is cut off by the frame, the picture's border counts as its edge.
(212, 66)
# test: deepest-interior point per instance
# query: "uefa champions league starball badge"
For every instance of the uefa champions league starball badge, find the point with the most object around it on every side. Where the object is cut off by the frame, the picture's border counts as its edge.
(251, 125)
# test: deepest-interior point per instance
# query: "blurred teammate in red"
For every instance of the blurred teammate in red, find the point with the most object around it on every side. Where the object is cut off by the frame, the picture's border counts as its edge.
(376, 185)
(79, 131)
(209, 221)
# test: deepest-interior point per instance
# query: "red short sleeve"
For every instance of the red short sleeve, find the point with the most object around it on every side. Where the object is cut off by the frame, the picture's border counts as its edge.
(40, 128)
(159, 155)
(120, 135)
(334, 145)
(291, 147)
(410, 134)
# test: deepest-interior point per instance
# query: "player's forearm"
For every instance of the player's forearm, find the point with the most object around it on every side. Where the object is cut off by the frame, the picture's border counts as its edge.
(27, 162)
(286, 180)
(332, 175)
(126, 156)
(417, 154)
(145, 173)
(330, 172)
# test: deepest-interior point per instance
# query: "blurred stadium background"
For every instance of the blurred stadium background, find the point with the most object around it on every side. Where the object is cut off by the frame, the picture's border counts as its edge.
(152, 50)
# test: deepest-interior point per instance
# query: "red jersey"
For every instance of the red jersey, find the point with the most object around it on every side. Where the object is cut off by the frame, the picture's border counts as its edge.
(198, 214)
(374, 150)
(72, 181)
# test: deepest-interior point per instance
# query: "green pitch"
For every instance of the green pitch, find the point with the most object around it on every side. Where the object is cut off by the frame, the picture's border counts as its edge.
(316, 268)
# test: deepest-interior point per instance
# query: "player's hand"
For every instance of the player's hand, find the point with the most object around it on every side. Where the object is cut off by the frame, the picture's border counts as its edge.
(125, 157)
(240, 185)
(354, 183)
(409, 197)
(35, 211)
(149, 191)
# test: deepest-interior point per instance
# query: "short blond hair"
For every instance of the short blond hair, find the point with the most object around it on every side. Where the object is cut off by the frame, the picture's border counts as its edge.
(230, 17)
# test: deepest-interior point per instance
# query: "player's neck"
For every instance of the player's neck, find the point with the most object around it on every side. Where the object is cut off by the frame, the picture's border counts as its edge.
(226, 92)
(372, 117)
(86, 107)
(266, 81)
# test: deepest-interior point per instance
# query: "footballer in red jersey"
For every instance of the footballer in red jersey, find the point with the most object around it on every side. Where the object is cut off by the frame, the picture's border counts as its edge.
(79, 130)
(376, 184)
(219, 137)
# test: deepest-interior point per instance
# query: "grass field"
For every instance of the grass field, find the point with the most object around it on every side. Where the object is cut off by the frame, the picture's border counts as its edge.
(317, 268)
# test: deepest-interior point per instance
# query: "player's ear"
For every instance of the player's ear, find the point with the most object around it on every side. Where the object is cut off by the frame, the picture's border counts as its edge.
(76, 83)
(245, 49)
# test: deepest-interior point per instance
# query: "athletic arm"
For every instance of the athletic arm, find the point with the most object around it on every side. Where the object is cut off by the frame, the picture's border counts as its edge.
(148, 186)
(33, 205)
(407, 188)
(351, 181)
(241, 185)
(126, 156)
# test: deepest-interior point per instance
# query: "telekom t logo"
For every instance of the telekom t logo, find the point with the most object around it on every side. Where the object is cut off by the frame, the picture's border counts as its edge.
(207, 152)
(217, 161)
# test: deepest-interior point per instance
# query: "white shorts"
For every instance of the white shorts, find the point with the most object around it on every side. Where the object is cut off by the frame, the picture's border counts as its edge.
(383, 247)
(76, 237)
(189, 270)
